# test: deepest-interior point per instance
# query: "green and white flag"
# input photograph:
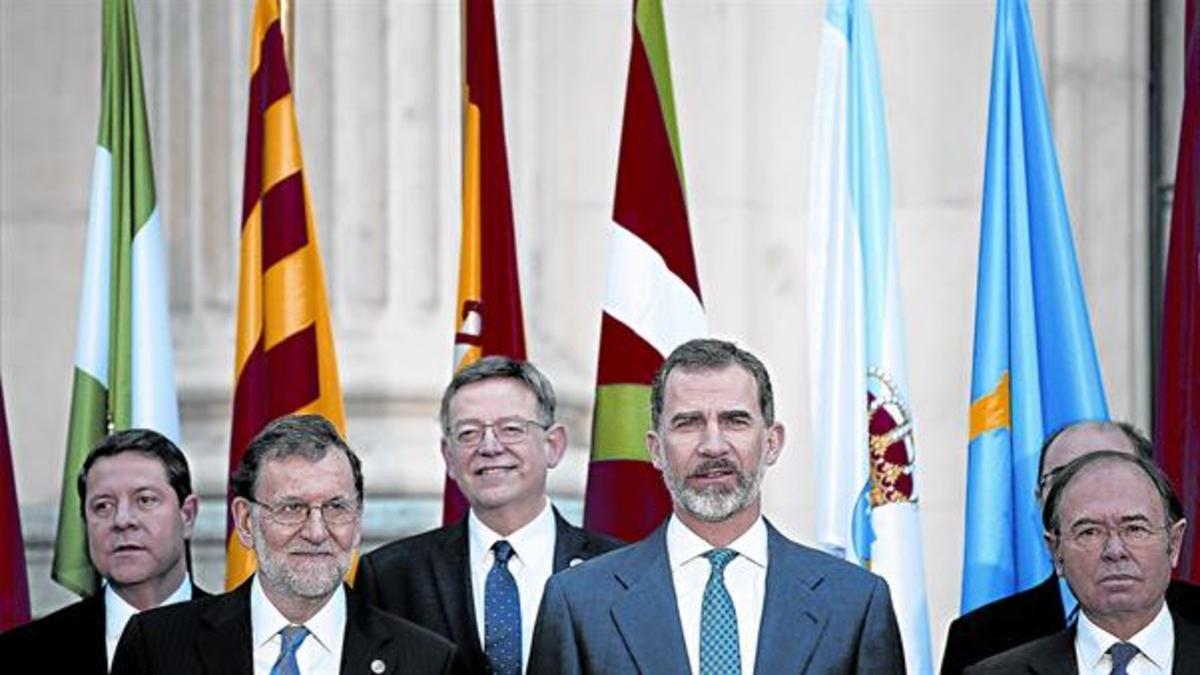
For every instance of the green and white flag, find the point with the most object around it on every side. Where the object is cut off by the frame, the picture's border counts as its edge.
(124, 366)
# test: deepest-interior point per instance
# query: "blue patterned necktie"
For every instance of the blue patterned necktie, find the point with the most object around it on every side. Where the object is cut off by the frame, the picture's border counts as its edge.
(1122, 653)
(292, 637)
(502, 615)
(719, 650)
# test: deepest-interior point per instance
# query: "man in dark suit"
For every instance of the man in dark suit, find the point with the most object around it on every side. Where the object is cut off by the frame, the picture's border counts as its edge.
(1050, 606)
(1114, 527)
(298, 506)
(716, 589)
(499, 442)
(135, 494)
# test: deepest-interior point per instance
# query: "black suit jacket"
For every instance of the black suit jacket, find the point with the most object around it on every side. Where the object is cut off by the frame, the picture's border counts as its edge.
(213, 637)
(427, 580)
(1055, 655)
(80, 625)
(1022, 617)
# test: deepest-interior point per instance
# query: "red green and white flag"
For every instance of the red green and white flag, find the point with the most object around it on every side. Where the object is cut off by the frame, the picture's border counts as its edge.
(652, 299)
(124, 363)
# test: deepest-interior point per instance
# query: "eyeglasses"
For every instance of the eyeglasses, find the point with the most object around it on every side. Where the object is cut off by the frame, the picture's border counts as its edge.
(1094, 537)
(508, 430)
(334, 512)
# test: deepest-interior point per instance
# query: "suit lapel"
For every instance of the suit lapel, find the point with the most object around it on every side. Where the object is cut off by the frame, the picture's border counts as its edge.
(647, 615)
(366, 647)
(792, 607)
(223, 641)
(569, 543)
(1187, 646)
(96, 627)
(451, 571)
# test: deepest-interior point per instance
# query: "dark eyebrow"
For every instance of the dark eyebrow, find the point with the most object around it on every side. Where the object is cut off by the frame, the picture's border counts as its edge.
(685, 416)
(735, 415)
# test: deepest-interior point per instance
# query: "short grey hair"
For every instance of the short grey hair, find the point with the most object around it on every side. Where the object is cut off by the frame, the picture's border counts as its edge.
(705, 354)
(496, 367)
(307, 436)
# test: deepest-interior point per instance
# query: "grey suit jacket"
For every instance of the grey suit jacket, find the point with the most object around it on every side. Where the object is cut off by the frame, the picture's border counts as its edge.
(1055, 654)
(427, 580)
(213, 637)
(617, 614)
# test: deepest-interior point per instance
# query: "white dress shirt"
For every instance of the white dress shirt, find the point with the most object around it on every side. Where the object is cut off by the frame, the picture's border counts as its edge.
(531, 565)
(745, 579)
(321, 651)
(1155, 643)
(117, 613)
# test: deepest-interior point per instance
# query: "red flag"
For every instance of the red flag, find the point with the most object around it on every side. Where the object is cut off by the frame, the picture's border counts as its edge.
(14, 600)
(652, 302)
(489, 320)
(1178, 433)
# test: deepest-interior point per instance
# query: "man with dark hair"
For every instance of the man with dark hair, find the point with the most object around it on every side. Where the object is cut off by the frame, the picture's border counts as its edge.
(716, 589)
(499, 441)
(135, 494)
(1114, 527)
(1050, 606)
(298, 505)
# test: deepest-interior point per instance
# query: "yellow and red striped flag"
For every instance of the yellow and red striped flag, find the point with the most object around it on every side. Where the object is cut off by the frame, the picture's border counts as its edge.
(489, 319)
(285, 361)
(652, 301)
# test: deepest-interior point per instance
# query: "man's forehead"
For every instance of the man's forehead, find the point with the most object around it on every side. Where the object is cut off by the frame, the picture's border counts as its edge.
(483, 395)
(1110, 490)
(300, 476)
(125, 468)
(731, 385)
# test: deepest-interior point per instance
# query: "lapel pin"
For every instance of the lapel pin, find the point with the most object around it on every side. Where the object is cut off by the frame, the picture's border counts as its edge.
(378, 666)
(574, 562)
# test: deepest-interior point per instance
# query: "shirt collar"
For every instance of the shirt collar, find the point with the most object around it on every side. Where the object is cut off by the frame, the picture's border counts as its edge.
(684, 545)
(1156, 641)
(534, 541)
(266, 621)
(118, 612)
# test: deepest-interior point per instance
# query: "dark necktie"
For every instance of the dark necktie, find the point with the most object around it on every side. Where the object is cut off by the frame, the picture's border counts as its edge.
(719, 650)
(1122, 653)
(292, 637)
(502, 615)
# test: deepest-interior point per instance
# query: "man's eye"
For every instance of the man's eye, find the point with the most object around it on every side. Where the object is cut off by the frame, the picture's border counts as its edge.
(101, 508)
(512, 428)
(736, 422)
(467, 435)
(292, 509)
(686, 424)
(148, 500)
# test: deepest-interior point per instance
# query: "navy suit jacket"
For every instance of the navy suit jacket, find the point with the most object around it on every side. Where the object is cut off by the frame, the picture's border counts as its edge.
(427, 580)
(80, 625)
(617, 614)
(1055, 654)
(213, 637)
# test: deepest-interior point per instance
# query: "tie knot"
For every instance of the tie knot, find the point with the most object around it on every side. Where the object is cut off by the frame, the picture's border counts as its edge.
(1122, 653)
(503, 551)
(719, 558)
(292, 637)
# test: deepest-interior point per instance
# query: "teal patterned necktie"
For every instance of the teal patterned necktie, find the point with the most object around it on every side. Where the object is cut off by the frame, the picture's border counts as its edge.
(719, 651)
(502, 615)
(291, 638)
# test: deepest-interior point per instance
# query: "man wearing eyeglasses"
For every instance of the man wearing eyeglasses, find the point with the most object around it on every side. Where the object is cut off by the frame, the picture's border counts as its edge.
(479, 581)
(1114, 527)
(298, 506)
(1050, 606)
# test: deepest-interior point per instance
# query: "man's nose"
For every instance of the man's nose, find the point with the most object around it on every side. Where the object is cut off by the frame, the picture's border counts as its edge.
(314, 529)
(125, 515)
(1114, 546)
(490, 445)
(712, 440)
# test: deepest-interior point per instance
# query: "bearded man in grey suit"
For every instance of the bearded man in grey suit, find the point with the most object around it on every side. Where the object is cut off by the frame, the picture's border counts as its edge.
(716, 589)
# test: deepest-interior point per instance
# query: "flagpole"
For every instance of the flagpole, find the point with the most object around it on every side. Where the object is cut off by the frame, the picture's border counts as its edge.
(287, 22)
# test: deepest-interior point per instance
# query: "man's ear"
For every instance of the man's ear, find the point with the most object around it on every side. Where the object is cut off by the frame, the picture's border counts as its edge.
(447, 457)
(555, 443)
(1175, 540)
(188, 511)
(241, 521)
(1052, 544)
(775, 438)
(654, 449)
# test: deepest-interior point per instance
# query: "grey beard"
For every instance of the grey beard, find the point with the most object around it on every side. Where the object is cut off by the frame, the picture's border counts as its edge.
(715, 504)
(311, 583)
